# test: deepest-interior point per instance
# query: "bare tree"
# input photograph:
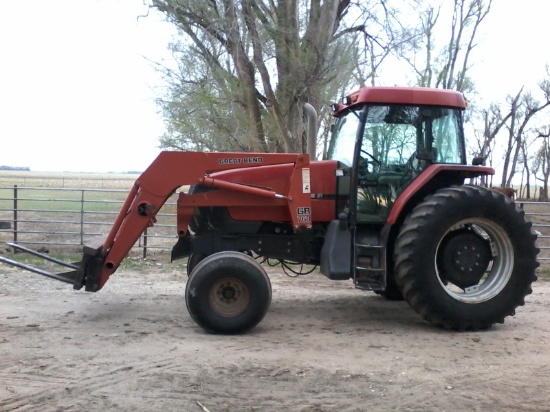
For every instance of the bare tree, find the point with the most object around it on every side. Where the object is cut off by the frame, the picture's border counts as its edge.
(446, 65)
(541, 163)
(493, 121)
(264, 60)
(522, 112)
(526, 162)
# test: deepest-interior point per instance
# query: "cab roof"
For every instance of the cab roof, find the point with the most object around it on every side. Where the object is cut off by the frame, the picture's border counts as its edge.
(414, 96)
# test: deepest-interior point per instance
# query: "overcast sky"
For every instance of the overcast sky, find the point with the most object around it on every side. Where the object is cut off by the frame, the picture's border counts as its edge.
(77, 92)
(76, 89)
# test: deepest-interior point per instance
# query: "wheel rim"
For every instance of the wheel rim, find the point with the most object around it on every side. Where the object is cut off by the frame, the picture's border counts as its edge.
(228, 297)
(495, 276)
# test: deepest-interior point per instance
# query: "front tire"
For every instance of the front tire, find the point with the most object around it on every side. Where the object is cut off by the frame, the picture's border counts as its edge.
(465, 258)
(228, 292)
(193, 261)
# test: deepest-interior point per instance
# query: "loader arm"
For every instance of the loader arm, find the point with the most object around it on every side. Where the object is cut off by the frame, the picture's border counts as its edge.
(168, 172)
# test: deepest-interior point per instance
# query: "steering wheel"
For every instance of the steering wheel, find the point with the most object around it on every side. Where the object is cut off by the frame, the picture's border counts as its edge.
(374, 159)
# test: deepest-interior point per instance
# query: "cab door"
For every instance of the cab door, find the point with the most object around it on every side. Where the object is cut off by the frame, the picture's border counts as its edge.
(385, 158)
(385, 161)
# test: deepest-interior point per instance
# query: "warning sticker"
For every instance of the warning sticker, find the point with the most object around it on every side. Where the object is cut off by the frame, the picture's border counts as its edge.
(306, 181)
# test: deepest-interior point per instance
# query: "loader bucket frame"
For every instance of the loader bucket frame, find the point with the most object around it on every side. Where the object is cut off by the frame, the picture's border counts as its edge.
(67, 277)
(168, 172)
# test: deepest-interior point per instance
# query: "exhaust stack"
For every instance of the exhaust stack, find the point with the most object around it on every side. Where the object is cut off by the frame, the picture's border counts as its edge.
(311, 114)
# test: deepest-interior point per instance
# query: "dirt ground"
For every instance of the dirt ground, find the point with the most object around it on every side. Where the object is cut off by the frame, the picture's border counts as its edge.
(323, 346)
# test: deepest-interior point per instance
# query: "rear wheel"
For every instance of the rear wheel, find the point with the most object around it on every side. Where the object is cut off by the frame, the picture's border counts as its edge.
(228, 292)
(466, 258)
(392, 291)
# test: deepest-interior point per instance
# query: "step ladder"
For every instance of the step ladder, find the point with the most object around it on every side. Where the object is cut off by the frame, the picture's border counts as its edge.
(370, 267)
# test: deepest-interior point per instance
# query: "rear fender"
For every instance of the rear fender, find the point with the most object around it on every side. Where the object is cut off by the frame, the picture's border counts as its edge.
(445, 174)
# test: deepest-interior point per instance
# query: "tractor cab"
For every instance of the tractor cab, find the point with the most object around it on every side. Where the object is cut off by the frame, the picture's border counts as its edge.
(384, 139)
(385, 146)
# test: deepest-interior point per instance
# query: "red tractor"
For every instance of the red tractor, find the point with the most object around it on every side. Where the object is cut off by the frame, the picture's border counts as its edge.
(389, 209)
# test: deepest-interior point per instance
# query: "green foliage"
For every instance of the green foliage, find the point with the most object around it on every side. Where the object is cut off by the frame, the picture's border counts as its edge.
(202, 111)
(245, 69)
(37, 262)
(130, 263)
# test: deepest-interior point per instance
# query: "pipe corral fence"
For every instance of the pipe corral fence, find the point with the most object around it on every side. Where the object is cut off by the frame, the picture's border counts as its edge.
(64, 219)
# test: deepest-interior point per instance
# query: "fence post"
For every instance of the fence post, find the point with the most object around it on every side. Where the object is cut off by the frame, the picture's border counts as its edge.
(82, 217)
(145, 243)
(15, 213)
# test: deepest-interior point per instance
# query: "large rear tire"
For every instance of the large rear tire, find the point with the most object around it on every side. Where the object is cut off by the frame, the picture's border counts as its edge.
(228, 292)
(392, 291)
(465, 258)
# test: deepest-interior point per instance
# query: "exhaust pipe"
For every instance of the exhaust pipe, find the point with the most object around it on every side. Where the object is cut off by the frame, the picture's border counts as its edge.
(311, 114)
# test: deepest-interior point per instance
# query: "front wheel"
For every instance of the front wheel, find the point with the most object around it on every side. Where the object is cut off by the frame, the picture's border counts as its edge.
(193, 261)
(465, 258)
(228, 292)
(196, 258)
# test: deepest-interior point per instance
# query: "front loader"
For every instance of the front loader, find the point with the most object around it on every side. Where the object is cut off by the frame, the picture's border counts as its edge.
(389, 209)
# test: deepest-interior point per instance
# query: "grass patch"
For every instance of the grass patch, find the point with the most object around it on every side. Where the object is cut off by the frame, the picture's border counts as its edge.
(543, 274)
(32, 260)
(162, 265)
(68, 179)
(63, 200)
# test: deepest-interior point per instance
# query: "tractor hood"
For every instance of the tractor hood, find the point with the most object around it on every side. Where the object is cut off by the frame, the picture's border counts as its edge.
(321, 185)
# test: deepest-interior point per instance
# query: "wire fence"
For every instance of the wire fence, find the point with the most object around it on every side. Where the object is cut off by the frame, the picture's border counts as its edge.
(64, 219)
(68, 180)
(539, 214)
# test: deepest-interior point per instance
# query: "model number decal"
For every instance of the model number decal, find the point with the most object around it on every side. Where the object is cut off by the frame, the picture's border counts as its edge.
(240, 160)
(304, 214)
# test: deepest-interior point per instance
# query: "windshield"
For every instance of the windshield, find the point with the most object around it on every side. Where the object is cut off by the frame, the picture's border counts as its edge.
(394, 134)
(343, 139)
